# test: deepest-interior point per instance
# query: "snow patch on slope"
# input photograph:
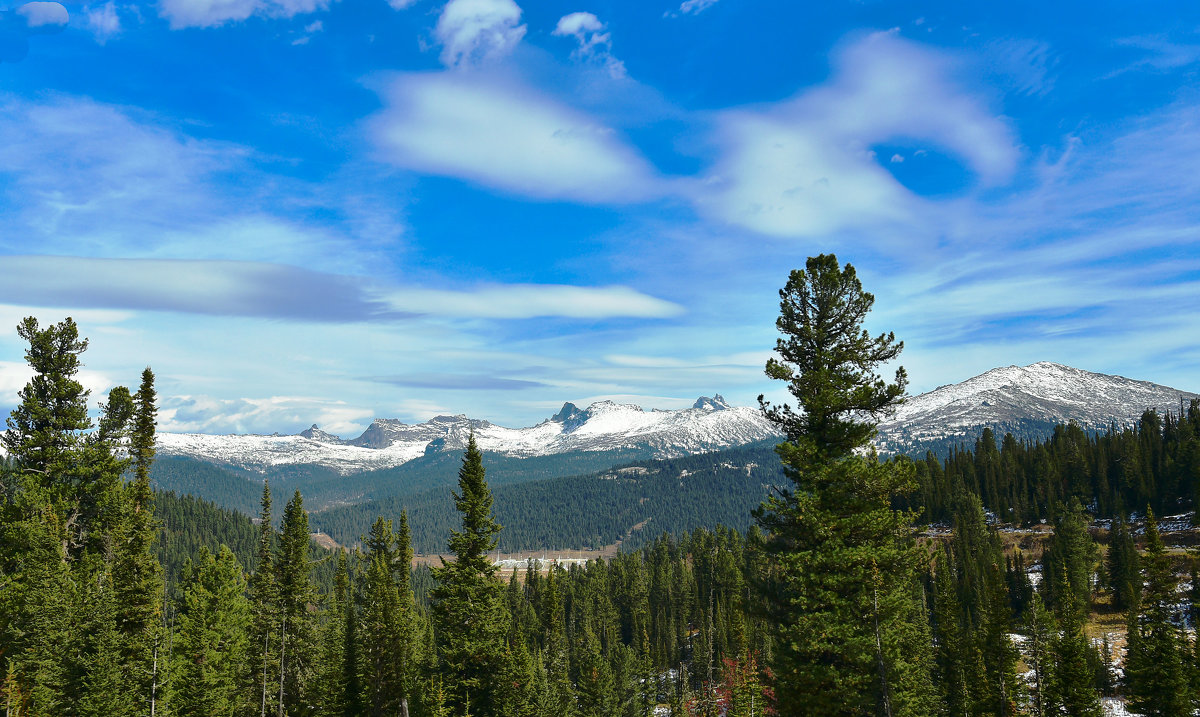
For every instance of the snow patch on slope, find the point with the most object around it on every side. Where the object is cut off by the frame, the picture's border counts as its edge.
(710, 425)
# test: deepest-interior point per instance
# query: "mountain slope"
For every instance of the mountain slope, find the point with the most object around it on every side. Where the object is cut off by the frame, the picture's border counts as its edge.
(711, 424)
(1026, 400)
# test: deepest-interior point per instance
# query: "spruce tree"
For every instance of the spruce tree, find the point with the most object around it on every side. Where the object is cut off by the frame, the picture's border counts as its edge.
(1156, 678)
(331, 683)
(212, 641)
(468, 601)
(843, 561)
(381, 634)
(263, 674)
(137, 573)
(296, 595)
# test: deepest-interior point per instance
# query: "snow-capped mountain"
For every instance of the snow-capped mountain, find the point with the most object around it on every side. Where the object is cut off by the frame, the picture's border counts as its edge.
(1041, 393)
(710, 424)
(1018, 398)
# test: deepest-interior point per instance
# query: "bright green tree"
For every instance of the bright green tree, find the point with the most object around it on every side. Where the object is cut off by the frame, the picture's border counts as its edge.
(468, 601)
(843, 561)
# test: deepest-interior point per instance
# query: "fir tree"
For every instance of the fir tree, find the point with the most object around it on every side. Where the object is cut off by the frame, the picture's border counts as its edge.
(137, 573)
(331, 682)
(1156, 678)
(212, 639)
(842, 560)
(264, 605)
(296, 595)
(468, 602)
(381, 634)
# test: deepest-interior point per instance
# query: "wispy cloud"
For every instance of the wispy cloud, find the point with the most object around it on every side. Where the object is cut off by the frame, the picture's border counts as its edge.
(695, 7)
(525, 301)
(212, 13)
(458, 382)
(806, 167)
(507, 137)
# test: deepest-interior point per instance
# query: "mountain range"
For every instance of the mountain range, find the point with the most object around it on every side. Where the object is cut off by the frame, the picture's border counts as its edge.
(1025, 400)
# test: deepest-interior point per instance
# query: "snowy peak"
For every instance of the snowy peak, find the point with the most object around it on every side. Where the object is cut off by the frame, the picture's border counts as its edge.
(716, 403)
(313, 433)
(711, 424)
(1042, 392)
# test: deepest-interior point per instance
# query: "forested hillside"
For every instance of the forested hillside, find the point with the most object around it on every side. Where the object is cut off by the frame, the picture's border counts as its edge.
(1155, 463)
(673, 496)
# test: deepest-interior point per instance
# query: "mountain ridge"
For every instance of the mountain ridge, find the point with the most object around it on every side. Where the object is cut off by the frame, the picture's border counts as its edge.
(1025, 399)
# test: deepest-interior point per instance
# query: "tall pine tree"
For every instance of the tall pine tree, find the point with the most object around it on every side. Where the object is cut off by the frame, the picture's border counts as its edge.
(843, 561)
(468, 602)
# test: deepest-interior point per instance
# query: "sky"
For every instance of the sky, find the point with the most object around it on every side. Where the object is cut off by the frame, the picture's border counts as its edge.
(324, 211)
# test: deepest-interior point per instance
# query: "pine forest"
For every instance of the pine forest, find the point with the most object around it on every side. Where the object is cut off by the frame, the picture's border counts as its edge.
(1012, 577)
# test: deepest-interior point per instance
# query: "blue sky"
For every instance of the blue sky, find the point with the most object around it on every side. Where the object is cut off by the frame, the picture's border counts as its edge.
(322, 211)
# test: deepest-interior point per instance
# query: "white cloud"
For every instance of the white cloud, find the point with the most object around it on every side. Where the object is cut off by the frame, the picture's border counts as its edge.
(207, 414)
(523, 301)
(103, 21)
(400, 4)
(508, 138)
(15, 374)
(476, 31)
(806, 167)
(44, 14)
(211, 13)
(695, 7)
(594, 43)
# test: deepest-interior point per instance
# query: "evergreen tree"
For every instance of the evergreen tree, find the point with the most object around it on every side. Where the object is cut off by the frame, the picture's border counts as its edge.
(137, 573)
(1156, 679)
(296, 597)
(468, 602)
(212, 639)
(1124, 573)
(331, 681)
(264, 604)
(842, 560)
(381, 616)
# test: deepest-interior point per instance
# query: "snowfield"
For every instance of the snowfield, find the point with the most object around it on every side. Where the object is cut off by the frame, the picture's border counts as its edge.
(1039, 392)
(711, 424)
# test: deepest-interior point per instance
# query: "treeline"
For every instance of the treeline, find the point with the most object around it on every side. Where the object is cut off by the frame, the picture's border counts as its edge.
(1154, 463)
(670, 495)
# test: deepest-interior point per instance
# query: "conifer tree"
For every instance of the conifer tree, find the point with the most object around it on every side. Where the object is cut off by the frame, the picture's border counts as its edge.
(381, 634)
(331, 682)
(1156, 679)
(297, 626)
(468, 602)
(264, 605)
(137, 573)
(212, 639)
(842, 561)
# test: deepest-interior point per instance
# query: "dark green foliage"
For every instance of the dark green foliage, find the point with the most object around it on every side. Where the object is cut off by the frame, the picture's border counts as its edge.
(840, 586)
(673, 495)
(1123, 567)
(1156, 673)
(1155, 462)
(211, 651)
(468, 606)
(295, 596)
(976, 661)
